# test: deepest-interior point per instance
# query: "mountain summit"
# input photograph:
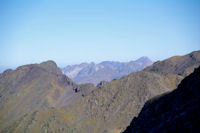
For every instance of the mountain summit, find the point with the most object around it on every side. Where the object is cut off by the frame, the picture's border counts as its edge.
(31, 89)
(51, 67)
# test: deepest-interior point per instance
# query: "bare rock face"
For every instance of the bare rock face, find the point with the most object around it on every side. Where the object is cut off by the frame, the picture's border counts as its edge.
(178, 111)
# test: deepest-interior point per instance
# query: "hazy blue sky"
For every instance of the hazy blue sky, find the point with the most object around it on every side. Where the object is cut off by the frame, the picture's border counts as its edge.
(77, 31)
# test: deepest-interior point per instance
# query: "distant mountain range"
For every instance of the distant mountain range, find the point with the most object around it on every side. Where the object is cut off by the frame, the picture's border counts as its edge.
(39, 98)
(104, 71)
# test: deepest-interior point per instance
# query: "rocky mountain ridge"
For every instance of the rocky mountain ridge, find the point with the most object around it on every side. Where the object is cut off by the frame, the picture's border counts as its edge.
(30, 89)
(39, 98)
(179, 65)
(177, 111)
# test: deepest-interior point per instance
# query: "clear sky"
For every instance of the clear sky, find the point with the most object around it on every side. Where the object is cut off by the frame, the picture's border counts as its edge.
(76, 31)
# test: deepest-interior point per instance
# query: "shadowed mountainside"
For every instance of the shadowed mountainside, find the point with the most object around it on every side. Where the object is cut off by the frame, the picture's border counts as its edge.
(104, 71)
(178, 111)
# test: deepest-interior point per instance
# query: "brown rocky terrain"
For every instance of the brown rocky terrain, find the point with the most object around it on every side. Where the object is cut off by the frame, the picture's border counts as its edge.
(111, 106)
(30, 90)
(39, 98)
(179, 65)
(177, 111)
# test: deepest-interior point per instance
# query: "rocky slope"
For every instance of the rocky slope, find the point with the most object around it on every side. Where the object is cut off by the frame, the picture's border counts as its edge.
(111, 105)
(28, 93)
(104, 71)
(178, 111)
(179, 65)
(38, 98)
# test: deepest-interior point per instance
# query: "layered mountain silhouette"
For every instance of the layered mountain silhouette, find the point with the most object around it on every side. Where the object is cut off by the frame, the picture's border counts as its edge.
(39, 98)
(104, 71)
(177, 111)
